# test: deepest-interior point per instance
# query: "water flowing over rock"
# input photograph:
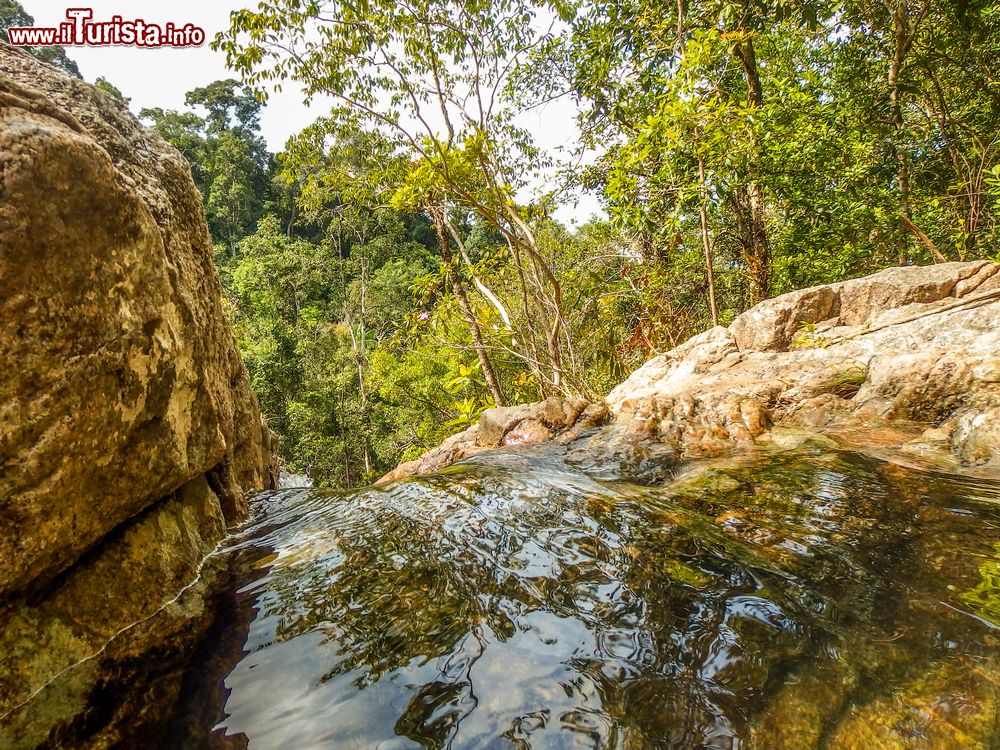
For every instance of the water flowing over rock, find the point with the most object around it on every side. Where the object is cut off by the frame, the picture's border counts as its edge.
(509, 425)
(129, 433)
(908, 358)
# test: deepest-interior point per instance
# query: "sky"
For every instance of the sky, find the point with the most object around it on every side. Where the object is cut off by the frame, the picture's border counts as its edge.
(160, 77)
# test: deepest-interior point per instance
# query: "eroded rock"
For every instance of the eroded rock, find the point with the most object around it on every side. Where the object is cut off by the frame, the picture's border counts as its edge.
(509, 426)
(129, 434)
(123, 380)
(899, 347)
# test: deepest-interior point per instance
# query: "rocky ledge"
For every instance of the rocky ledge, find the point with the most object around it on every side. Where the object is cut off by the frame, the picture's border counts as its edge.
(129, 433)
(905, 361)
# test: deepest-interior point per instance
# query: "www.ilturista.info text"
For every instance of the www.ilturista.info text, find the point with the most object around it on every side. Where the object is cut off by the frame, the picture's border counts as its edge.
(80, 30)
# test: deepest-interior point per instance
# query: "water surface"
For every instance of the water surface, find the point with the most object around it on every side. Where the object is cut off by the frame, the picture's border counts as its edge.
(537, 598)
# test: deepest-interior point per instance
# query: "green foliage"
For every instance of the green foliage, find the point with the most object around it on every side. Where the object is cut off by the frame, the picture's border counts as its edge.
(806, 337)
(12, 13)
(389, 279)
(106, 86)
(315, 326)
(820, 138)
(230, 162)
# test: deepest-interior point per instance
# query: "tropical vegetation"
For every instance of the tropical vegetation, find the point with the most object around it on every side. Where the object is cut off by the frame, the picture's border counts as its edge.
(399, 266)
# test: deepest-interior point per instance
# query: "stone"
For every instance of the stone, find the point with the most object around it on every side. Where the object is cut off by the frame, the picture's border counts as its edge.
(772, 325)
(862, 299)
(986, 279)
(922, 356)
(128, 580)
(565, 418)
(554, 412)
(123, 381)
(129, 434)
(496, 422)
(527, 431)
(674, 370)
(976, 438)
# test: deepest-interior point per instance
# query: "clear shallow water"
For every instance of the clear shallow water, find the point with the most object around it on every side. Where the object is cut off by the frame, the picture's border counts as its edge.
(535, 599)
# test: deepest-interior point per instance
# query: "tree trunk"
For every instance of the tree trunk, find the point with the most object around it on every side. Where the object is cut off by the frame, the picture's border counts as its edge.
(924, 240)
(554, 331)
(291, 217)
(681, 13)
(905, 29)
(706, 240)
(758, 259)
(756, 248)
(962, 168)
(896, 110)
(458, 289)
(362, 357)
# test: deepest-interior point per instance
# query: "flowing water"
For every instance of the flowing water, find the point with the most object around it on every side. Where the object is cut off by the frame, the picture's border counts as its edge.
(538, 598)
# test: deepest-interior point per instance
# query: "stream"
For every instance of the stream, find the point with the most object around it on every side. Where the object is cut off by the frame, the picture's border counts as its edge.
(541, 598)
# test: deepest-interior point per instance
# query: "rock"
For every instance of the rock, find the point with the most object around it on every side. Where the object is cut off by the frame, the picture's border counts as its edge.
(456, 447)
(695, 425)
(772, 325)
(906, 346)
(816, 412)
(497, 422)
(861, 299)
(976, 437)
(922, 355)
(126, 381)
(985, 279)
(594, 415)
(130, 579)
(527, 431)
(554, 412)
(129, 434)
(675, 369)
(508, 426)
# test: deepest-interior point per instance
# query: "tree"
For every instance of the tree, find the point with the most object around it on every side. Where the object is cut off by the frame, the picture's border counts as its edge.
(230, 163)
(835, 137)
(434, 78)
(229, 107)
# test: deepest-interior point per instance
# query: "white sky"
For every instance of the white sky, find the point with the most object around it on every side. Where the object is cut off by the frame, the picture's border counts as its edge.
(161, 77)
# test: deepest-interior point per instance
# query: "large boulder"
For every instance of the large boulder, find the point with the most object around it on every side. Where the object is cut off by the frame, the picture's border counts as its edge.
(914, 346)
(774, 324)
(122, 378)
(129, 434)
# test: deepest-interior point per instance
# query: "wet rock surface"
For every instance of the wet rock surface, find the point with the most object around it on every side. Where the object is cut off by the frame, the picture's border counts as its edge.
(918, 346)
(525, 424)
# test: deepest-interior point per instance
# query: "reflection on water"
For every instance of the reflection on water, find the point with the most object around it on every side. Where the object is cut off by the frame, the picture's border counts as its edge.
(528, 600)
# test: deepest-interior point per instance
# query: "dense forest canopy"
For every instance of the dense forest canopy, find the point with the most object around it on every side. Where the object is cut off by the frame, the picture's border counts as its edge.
(397, 268)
